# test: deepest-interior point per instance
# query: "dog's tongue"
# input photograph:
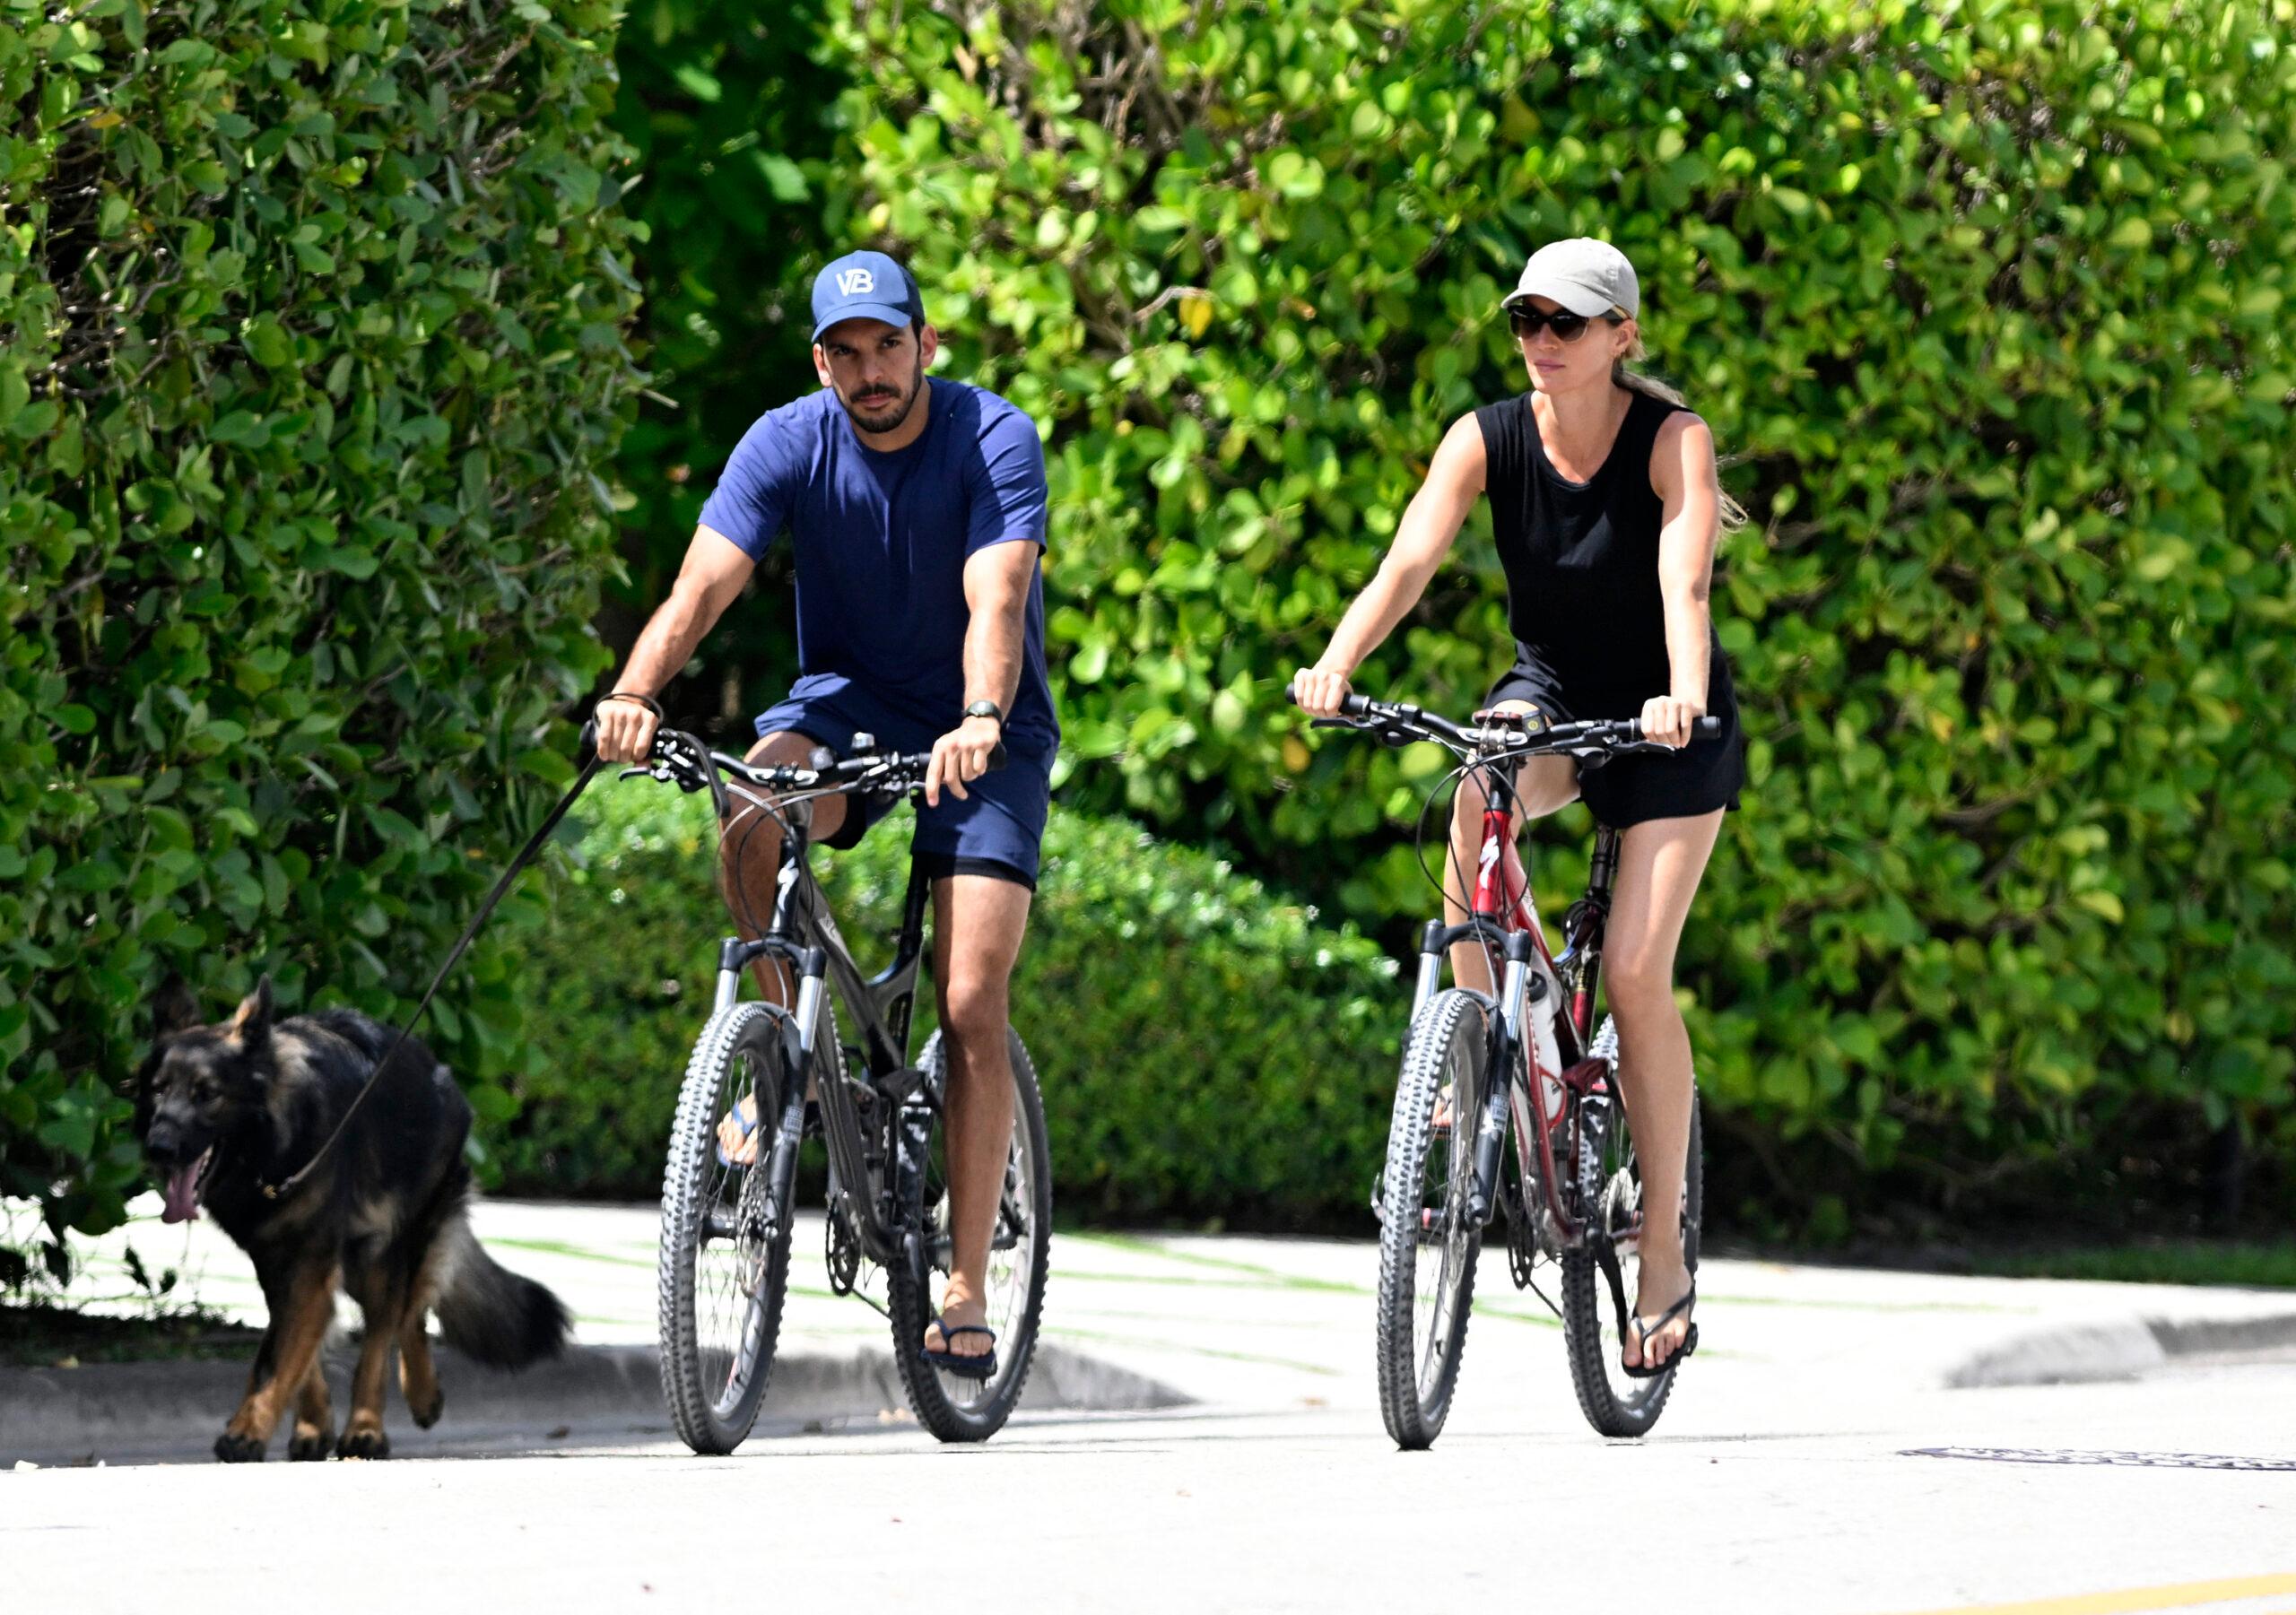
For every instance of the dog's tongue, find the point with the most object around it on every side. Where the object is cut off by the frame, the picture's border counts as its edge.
(181, 1192)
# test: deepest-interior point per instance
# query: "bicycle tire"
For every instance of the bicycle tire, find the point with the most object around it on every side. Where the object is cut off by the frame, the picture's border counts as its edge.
(699, 1348)
(1449, 1043)
(1614, 1403)
(957, 1409)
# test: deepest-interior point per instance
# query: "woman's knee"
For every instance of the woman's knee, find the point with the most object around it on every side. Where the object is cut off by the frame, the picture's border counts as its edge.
(1638, 982)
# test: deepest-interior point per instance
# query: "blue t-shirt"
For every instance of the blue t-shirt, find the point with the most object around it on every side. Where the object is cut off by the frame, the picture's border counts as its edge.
(882, 541)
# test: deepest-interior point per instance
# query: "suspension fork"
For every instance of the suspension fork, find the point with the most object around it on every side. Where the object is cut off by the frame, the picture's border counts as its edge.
(1516, 995)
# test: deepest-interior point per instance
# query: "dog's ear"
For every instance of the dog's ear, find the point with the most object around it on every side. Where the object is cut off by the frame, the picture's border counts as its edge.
(252, 1023)
(175, 1007)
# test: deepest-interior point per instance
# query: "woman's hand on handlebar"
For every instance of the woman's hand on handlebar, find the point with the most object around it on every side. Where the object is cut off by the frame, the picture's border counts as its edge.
(1319, 691)
(1667, 719)
(625, 730)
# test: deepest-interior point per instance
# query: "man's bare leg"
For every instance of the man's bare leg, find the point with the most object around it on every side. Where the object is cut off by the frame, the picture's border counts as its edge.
(978, 924)
(749, 867)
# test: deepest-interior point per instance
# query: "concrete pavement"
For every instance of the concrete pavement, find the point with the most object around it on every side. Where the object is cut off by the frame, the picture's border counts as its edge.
(1817, 1456)
(1258, 1324)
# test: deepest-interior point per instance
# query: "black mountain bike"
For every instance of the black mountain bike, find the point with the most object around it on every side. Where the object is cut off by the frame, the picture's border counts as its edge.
(1525, 1064)
(726, 1228)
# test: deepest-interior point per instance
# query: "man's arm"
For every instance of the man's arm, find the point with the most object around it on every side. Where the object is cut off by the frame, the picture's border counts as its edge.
(714, 571)
(997, 580)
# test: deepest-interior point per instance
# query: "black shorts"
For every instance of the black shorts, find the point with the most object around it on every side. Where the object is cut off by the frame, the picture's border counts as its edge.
(1702, 777)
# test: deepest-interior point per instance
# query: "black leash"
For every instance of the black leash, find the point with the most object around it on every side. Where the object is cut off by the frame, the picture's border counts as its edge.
(590, 764)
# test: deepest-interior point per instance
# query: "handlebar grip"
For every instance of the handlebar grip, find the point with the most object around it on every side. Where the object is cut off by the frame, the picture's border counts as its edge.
(1709, 727)
(1350, 705)
(589, 747)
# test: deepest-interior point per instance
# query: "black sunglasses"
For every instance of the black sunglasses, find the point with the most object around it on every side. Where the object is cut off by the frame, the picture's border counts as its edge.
(1566, 326)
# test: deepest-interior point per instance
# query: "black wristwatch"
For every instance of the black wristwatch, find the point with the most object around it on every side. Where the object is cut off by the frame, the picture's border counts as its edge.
(985, 708)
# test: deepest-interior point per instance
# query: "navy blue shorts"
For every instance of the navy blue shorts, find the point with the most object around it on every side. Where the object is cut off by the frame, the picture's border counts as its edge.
(997, 830)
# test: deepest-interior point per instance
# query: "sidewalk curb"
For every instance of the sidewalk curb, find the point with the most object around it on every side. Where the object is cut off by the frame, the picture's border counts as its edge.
(593, 1393)
(2115, 1348)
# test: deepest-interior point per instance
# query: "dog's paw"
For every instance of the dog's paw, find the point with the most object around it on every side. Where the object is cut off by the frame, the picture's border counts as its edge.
(313, 1447)
(427, 1416)
(234, 1448)
(363, 1444)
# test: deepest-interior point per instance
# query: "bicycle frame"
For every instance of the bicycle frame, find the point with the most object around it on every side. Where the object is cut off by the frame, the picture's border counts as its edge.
(803, 937)
(1544, 1073)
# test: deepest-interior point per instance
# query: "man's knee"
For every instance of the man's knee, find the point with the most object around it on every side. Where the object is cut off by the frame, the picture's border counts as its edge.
(975, 1011)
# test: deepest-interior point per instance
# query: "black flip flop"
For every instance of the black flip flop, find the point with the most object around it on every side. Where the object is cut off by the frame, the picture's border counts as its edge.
(1645, 1331)
(983, 1367)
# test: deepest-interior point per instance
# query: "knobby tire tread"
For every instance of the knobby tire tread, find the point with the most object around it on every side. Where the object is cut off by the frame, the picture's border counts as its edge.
(909, 1296)
(693, 1154)
(1587, 1301)
(1450, 1015)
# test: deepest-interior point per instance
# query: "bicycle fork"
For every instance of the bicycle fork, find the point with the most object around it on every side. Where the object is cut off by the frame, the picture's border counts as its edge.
(1520, 989)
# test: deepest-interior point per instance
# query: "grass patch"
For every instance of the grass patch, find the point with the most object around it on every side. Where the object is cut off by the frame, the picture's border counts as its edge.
(2268, 1266)
(48, 1337)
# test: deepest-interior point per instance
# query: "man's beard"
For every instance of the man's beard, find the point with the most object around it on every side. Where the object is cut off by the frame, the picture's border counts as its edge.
(886, 413)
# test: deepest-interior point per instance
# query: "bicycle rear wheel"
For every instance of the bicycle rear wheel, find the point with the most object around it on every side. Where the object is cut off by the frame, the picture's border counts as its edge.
(1610, 1180)
(1428, 1245)
(954, 1408)
(724, 1264)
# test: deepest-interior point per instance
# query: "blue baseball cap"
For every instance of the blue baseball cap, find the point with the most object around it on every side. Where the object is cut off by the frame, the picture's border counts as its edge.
(865, 285)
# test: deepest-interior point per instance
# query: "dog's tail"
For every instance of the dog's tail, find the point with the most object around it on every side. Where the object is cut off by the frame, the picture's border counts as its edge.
(490, 1313)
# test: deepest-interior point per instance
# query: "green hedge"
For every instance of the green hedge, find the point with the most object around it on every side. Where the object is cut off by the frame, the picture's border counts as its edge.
(1989, 306)
(312, 368)
(726, 106)
(1207, 1048)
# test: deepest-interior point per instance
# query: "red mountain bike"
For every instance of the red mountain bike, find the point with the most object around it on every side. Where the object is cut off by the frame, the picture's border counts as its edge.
(1526, 1064)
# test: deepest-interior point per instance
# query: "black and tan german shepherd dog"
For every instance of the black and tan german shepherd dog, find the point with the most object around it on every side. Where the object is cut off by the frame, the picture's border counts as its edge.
(223, 1109)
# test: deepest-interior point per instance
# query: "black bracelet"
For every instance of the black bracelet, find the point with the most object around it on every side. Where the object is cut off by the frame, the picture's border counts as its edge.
(647, 701)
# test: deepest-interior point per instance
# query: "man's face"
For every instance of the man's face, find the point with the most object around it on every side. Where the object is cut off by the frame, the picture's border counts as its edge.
(877, 370)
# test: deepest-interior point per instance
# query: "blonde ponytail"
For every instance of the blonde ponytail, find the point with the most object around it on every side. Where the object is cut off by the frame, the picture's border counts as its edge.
(1733, 514)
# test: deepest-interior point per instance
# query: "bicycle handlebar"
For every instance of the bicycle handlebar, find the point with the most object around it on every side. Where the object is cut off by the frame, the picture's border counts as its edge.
(680, 759)
(1388, 719)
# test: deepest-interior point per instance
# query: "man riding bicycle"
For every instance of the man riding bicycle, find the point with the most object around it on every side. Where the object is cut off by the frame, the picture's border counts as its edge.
(917, 508)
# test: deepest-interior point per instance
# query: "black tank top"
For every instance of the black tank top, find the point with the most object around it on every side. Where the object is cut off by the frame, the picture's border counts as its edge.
(1582, 561)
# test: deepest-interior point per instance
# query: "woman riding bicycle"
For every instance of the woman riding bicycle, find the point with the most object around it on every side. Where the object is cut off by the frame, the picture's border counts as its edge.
(1607, 506)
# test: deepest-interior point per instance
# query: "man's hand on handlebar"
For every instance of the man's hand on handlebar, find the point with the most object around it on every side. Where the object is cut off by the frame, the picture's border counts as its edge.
(625, 730)
(960, 755)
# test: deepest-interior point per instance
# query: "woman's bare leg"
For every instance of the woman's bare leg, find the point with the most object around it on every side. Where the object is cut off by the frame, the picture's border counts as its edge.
(1660, 863)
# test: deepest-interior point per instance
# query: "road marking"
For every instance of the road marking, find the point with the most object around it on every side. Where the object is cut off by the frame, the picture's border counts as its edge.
(2127, 1460)
(2131, 1600)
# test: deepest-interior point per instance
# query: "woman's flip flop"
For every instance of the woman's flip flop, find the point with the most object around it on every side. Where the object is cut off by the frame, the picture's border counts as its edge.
(1645, 1331)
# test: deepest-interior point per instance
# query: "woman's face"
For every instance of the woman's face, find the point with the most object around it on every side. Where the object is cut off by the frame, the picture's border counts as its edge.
(1557, 366)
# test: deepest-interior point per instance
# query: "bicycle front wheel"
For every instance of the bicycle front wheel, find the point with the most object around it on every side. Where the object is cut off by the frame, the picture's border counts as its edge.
(954, 1408)
(1427, 1244)
(1599, 1277)
(724, 1262)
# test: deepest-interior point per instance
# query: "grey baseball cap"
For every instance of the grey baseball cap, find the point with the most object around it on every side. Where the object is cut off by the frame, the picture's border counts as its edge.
(1584, 275)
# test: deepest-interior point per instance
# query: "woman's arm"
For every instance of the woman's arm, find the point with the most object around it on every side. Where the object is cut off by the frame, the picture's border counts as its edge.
(1690, 492)
(1453, 483)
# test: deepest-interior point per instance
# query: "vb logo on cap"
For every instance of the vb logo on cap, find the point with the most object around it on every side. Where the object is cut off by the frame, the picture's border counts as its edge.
(865, 285)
